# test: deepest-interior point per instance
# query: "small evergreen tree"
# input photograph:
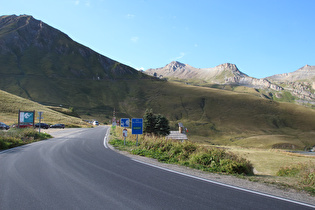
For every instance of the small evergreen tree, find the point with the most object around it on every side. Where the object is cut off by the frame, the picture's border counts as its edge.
(155, 124)
(162, 127)
(148, 121)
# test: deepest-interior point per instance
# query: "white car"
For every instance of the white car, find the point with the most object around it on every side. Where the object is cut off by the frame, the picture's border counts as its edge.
(95, 123)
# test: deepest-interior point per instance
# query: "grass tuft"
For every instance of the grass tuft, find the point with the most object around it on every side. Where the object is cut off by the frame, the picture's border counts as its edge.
(305, 172)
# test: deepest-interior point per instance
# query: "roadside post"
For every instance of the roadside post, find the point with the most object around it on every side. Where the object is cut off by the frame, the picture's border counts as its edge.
(125, 133)
(137, 127)
(39, 117)
(125, 122)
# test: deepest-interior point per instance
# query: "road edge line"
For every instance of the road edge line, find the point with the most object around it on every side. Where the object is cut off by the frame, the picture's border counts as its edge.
(226, 185)
(106, 138)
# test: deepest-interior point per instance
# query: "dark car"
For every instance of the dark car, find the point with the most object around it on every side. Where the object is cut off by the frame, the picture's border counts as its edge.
(4, 126)
(58, 126)
(25, 125)
(42, 125)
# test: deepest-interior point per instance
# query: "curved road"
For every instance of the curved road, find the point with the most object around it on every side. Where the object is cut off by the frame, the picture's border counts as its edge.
(76, 171)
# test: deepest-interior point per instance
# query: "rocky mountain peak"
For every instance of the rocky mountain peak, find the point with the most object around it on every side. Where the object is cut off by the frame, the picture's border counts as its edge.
(307, 68)
(231, 67)
(174, 65)
(228, 66)
(19, 22)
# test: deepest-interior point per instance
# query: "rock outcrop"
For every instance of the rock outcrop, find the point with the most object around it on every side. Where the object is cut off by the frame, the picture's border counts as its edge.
(301, 83)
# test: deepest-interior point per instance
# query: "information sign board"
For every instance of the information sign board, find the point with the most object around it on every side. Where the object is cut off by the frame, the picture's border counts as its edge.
(125, 122)
(137, 126)
(26, 117)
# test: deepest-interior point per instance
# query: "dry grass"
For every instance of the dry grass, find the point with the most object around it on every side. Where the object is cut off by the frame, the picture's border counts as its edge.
(269, 161)
(11, 104)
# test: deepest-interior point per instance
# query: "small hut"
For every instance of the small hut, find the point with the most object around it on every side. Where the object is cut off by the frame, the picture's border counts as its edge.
(180, 134)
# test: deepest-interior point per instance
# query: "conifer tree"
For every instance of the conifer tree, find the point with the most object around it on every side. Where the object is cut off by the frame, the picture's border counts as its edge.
(155, 124)
(162, 127)
(148, 121)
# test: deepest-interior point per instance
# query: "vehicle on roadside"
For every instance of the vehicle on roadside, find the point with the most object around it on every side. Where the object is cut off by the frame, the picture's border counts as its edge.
(4, 126)
(95, 123)
(58, 126)
(24, 125)
(42, 125)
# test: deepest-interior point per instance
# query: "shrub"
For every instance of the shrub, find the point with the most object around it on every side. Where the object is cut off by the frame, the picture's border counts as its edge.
(218, 160)
(184, 153)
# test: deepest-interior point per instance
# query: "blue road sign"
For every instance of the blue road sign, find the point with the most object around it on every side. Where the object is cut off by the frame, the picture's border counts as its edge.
(125, 122)
(137, 126)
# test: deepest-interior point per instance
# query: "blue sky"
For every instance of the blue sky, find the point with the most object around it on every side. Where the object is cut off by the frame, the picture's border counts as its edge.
(262, 38)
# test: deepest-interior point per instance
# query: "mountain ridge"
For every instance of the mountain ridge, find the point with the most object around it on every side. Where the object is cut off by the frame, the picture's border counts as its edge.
(226, 73)
(297, 86)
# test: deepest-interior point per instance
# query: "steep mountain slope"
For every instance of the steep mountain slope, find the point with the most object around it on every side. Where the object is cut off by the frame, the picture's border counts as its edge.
(41, 63)
(222, 74)
(31, 47)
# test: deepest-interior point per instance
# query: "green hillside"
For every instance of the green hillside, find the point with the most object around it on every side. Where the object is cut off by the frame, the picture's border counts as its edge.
(11, 104)
(211, 115)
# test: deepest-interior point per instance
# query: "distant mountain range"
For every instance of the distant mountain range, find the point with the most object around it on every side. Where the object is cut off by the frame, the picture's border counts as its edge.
(301, 83)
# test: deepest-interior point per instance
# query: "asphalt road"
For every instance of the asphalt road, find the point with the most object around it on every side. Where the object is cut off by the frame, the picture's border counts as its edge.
(76, 171)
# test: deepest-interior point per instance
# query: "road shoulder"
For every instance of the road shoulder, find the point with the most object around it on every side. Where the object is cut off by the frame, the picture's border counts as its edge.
(269, 189)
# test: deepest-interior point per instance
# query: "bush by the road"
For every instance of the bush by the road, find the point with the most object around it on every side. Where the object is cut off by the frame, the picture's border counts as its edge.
(186, 153)
(17, 137)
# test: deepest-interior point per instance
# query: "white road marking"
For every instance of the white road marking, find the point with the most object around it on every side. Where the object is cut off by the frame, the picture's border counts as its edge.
(106, 138)
(227, 185)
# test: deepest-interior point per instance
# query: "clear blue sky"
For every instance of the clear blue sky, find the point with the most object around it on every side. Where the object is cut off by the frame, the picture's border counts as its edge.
(262, 38)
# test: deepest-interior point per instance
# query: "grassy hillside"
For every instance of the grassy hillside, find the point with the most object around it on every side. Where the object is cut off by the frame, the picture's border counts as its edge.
(211, 115)
(11, 104)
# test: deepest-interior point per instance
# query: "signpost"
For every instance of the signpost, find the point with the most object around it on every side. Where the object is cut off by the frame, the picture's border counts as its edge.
(40, 117)
(114, 122)
(137, 127)
(125, 133)
(125, 122)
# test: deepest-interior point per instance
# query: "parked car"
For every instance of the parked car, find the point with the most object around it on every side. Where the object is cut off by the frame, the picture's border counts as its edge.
(42, 125)
(58, 126)
(95, 123)
(4, 126)
(25, 125)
